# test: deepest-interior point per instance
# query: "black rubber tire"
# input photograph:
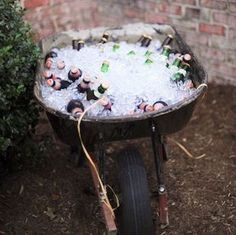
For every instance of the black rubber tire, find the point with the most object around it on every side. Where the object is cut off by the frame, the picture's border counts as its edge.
(135, 213)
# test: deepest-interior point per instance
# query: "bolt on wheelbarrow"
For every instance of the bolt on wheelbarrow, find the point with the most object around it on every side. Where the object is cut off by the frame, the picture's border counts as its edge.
(135, 209)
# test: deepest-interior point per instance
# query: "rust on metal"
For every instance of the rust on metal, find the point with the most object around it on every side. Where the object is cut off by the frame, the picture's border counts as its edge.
(164, 218)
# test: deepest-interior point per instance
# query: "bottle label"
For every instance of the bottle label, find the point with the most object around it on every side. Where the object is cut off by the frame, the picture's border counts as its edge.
(173, 68)
(182, 71)
(97, 94)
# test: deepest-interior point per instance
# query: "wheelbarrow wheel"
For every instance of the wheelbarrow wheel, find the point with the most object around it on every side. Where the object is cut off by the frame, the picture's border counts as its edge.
(135, 213)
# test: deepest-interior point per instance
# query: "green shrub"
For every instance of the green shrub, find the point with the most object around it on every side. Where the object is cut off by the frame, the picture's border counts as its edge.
(18, 56)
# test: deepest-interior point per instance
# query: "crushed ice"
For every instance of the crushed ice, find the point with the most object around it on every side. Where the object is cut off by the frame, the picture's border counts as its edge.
(129, 78)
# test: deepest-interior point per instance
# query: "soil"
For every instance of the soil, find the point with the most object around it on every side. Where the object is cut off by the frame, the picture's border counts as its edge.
(51, 195)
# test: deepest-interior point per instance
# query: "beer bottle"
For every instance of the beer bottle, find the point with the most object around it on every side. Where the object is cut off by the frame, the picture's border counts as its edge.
(188, 84)
(167, 41)
(58, 84)
(115, 47)
(51, 54)
(148, 61)
(61, 64)
(143, 105)
(176, 64)
(80, 44)
(74, 73)
(48, 75)
(132, 52)
(106, 103)
(159, 105)
(145, 40)
(75, 107)
(48, 63)
(186, 58)
(84, 84)
(181, 73)
(148, 53)
(104, 38)
(166, 50)
(75, 44)
(105, 66)
(96, 94)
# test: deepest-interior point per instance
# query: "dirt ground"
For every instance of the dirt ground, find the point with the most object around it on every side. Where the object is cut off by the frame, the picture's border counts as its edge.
(52, 196)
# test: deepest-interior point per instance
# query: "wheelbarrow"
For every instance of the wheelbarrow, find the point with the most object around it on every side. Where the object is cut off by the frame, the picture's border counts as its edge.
(136, 213)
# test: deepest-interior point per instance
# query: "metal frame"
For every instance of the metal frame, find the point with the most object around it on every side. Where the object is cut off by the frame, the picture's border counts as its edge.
(160, 154)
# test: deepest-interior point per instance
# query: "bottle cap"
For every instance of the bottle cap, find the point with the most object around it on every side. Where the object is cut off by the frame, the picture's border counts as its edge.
(74, 70)
(61, 64)
(51, 82)
(86, 78)
(105, 85)
(47, 74)
(170, 36)
(187, 57)
(159, 104)
(105, 35)
(48, 63)
(167, 46)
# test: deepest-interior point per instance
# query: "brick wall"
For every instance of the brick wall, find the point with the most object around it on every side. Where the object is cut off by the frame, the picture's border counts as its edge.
(207, 25)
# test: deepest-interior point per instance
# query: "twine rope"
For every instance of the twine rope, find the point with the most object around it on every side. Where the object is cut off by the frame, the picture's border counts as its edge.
(186, 151)
(103, 192)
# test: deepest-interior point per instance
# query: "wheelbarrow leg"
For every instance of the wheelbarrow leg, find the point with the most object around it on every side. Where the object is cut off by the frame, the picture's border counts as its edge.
(101, 158)
(159, 156)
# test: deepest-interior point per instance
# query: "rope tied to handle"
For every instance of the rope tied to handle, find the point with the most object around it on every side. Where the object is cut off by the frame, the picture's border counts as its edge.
(102, 188)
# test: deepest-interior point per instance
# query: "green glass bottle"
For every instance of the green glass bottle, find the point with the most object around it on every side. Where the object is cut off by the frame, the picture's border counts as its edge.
(175, 65)
(148, 53)
(148, 61)
(166, 50)
(181, 73)
(132, 52)
(115, 47)
(96, 94)
(105, 66)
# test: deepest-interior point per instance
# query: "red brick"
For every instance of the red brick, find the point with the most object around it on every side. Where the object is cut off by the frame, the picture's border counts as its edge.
(155, 18)
(215, 4)
(217, 41)
(184, 25)
(231, 56)
(192, 13)
(232, 34)
(170, 8)
(55, 2)
(225, 18)
(194, 38)
(232, 7)
(133, 12)
(30, 4)
(212, 53)
(212, 28)
(187, 2)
